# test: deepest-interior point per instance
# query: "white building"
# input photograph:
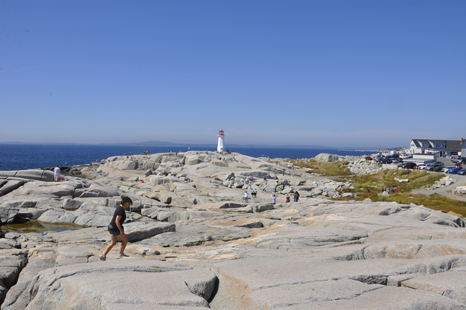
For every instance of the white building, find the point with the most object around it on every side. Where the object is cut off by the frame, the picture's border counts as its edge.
(221, 141)
(440, 147)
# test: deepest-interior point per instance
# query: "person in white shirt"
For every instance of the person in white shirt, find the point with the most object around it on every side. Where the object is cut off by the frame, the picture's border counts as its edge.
(246, 197)
(56, 173)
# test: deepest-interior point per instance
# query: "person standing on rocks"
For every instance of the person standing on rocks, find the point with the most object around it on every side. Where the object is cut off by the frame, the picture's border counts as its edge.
(56, 173)
(246, 197)
(274, 199)
(116, 229)
(287, 198)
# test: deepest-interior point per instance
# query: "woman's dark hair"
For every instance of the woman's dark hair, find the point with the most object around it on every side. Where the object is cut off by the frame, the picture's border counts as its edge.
(126, 199)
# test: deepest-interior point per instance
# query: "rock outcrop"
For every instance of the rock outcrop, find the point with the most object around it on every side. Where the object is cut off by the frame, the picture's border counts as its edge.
(221, 252)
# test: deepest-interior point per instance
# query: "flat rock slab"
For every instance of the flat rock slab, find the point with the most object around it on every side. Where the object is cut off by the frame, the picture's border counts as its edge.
(247, 223)
(451, 284)
(305, 282)
(118, 284)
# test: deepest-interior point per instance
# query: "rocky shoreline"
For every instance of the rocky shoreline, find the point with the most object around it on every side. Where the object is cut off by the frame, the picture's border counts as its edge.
(222, 253)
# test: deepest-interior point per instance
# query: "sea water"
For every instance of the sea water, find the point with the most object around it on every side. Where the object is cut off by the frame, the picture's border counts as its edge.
(36, 156)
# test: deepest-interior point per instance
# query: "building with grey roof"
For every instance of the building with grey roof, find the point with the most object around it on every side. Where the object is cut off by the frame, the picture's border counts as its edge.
(442, 147)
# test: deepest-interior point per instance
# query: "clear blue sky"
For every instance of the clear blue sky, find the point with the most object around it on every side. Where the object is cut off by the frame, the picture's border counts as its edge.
(333, 73)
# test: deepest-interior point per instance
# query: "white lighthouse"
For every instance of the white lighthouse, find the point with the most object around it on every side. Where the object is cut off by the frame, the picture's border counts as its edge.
(221, 141)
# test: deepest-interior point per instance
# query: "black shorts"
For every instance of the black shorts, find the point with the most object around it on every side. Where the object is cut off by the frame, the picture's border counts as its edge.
(113, 230)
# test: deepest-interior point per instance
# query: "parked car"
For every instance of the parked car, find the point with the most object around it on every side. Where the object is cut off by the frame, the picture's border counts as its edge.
(410, 165)
(447, 168)
(454, 170)
(420, 167)
(396, 160)
(434, 167)
(456, 159)
(403, 164)
(368, 158)
(430, 166)
(462, 172)
(383, 160)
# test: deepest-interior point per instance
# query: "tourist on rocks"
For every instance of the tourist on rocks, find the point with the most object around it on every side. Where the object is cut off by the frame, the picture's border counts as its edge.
(116, 229)
(287, 198)
(253, 193)
(56, 173)
(274, 199)
(195, 201)
(296, 196)
(246, 197)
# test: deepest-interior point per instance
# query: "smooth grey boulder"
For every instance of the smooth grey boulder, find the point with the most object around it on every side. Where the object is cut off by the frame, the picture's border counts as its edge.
(10, 268)
(137, 233)
(96, 190)
(200, 281)
(8, 174)
(71, 204)
(35, 174)
(192, 160)
(325, 157)
(29, 214)
(10, 186)
(58, 216)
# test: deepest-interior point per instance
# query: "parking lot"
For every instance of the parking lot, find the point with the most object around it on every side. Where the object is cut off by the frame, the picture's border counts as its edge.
(447, 161)
(460, 180)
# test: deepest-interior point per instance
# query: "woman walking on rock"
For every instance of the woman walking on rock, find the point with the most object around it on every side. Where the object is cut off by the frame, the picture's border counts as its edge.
(116, 229)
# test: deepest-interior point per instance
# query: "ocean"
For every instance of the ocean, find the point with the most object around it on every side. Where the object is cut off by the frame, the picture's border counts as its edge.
(36, 156)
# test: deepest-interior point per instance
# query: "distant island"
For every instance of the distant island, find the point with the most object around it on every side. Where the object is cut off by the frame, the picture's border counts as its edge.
(197, 145)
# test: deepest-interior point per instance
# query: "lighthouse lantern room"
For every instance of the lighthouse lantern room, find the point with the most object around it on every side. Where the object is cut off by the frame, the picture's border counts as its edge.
(221, 141)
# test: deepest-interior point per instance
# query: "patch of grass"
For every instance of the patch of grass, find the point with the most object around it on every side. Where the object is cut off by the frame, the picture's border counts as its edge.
(434, 201)
(386, 178)
(417, 179)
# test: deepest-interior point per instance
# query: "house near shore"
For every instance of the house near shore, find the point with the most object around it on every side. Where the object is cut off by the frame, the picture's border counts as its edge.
(440, 147)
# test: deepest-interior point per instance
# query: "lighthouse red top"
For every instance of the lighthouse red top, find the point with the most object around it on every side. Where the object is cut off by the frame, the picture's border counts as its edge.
(220, 133)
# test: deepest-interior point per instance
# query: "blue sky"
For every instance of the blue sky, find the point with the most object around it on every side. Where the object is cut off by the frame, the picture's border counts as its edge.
(333, 73)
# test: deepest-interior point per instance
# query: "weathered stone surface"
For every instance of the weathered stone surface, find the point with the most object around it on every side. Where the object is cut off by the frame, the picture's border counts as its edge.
(146, 286)
(221, 252)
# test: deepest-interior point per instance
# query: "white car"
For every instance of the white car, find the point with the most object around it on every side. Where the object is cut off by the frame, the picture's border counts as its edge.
(421, 167)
